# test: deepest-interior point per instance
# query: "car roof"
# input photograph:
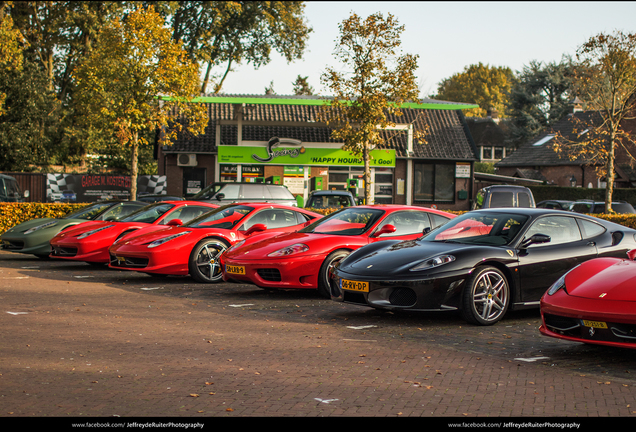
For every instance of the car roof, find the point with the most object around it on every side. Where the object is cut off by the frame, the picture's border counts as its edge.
(331, 192)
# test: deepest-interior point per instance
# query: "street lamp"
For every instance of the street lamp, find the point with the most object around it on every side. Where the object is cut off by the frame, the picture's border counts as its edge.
(573, 181)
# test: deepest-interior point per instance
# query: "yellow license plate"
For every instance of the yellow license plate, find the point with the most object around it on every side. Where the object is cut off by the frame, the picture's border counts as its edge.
(239, 270)
(355, 285)
(595, 324)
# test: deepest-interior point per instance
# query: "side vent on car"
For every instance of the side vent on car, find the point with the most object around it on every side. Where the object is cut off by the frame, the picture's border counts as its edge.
(617, 236)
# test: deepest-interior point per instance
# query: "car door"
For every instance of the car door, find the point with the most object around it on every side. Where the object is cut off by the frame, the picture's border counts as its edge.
(540, 265)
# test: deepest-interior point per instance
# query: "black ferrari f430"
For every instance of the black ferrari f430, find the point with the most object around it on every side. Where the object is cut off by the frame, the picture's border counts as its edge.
(482, 263)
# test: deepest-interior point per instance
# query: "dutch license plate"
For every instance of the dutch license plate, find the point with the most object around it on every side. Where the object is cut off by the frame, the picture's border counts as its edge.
(240, 270)
(354, 285)
(595, 324)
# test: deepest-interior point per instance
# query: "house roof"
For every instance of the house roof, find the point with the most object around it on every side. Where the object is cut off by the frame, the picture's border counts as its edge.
(447, 138)
(539, 150)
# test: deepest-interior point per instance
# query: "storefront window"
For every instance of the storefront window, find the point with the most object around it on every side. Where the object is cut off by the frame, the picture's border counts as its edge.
(434, 182)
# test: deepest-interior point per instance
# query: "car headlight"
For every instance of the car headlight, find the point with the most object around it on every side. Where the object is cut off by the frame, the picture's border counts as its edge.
(290, 250)
(433, 262)
(161, 241)
(39, 227)
(87, 233)
(234, 246)
(560, 283)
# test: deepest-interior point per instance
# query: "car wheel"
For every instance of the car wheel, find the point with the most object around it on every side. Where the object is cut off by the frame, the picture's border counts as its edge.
(325, 276)
(486, 296)
(204, 262)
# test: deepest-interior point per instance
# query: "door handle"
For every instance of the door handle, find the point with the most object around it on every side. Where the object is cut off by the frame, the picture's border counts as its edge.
(591, 243)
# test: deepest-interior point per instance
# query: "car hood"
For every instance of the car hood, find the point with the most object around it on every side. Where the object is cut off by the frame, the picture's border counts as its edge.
(85, 226)
(148, 237)
(397, 258)
(603, 279)
(318, 243)
(61, 223)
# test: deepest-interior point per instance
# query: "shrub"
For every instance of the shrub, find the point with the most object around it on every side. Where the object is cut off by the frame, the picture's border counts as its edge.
(12, 214)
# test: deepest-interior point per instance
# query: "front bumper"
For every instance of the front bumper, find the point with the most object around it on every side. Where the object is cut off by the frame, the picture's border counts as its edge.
(610, 323)
(268, 273)
(439, 292)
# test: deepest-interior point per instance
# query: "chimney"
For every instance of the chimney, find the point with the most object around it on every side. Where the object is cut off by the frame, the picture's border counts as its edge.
(576, 105)
(493, 114)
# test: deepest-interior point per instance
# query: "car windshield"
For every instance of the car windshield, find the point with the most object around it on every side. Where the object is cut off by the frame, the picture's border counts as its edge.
(225, 217)
(90, 212)
(349, 222)
(328, 201)
(148, 214)
(489, 228)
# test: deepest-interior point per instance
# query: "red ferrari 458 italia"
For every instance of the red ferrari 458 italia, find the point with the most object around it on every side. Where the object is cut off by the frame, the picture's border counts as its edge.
(594, 303)
(194, 247)
(304, 259)
(89, 241)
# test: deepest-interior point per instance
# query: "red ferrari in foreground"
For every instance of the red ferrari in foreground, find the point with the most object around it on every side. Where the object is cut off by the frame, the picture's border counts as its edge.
(89, 241)
(194, 247)
(594, 303)
(304, 259)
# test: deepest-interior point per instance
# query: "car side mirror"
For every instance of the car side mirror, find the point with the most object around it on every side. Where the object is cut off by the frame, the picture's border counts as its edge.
(631, 254)
(426, 230)
(175, 222)
(386, 229)
(220, 196)
(255, 228)
(535, 239)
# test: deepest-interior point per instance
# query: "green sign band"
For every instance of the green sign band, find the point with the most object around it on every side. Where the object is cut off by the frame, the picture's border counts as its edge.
(301, 156)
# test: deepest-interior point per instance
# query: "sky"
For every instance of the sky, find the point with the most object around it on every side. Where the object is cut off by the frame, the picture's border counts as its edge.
(447, 36)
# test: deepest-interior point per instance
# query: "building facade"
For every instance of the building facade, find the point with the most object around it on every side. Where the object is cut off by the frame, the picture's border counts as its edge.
(279, 139)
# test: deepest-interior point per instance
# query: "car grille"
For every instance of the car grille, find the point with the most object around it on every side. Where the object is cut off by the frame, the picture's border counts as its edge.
(572, 327)
(12, 244)
(64, 251)
(271, 275)
(402, 297)
(128, 262)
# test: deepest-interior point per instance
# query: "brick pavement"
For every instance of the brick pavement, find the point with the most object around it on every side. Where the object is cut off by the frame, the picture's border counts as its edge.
(79, 347)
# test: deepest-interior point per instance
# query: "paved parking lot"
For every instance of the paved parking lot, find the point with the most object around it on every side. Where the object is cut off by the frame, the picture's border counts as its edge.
(84, 341)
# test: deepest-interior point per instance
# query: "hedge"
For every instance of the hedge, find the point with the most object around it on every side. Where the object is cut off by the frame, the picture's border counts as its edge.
(12, 214)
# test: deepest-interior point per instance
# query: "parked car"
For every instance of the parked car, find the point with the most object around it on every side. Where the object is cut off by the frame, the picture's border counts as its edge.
(89, 241)
(194, 248)
(10, 190)
(555, 204)
(592, 207)
(68, 196)
(593, 303)
(33, 237)
(482, 263)
(322, 199)
(304, 259)
(497, 196)
(226, 193)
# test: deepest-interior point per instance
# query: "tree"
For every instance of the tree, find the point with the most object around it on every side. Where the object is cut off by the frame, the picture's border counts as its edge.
(378, 83)
(222, 33)
(302, 87)
(11, 44)
(136, 80)
(540, 97)
(269, 90)
(484, 85)
(606, 81)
